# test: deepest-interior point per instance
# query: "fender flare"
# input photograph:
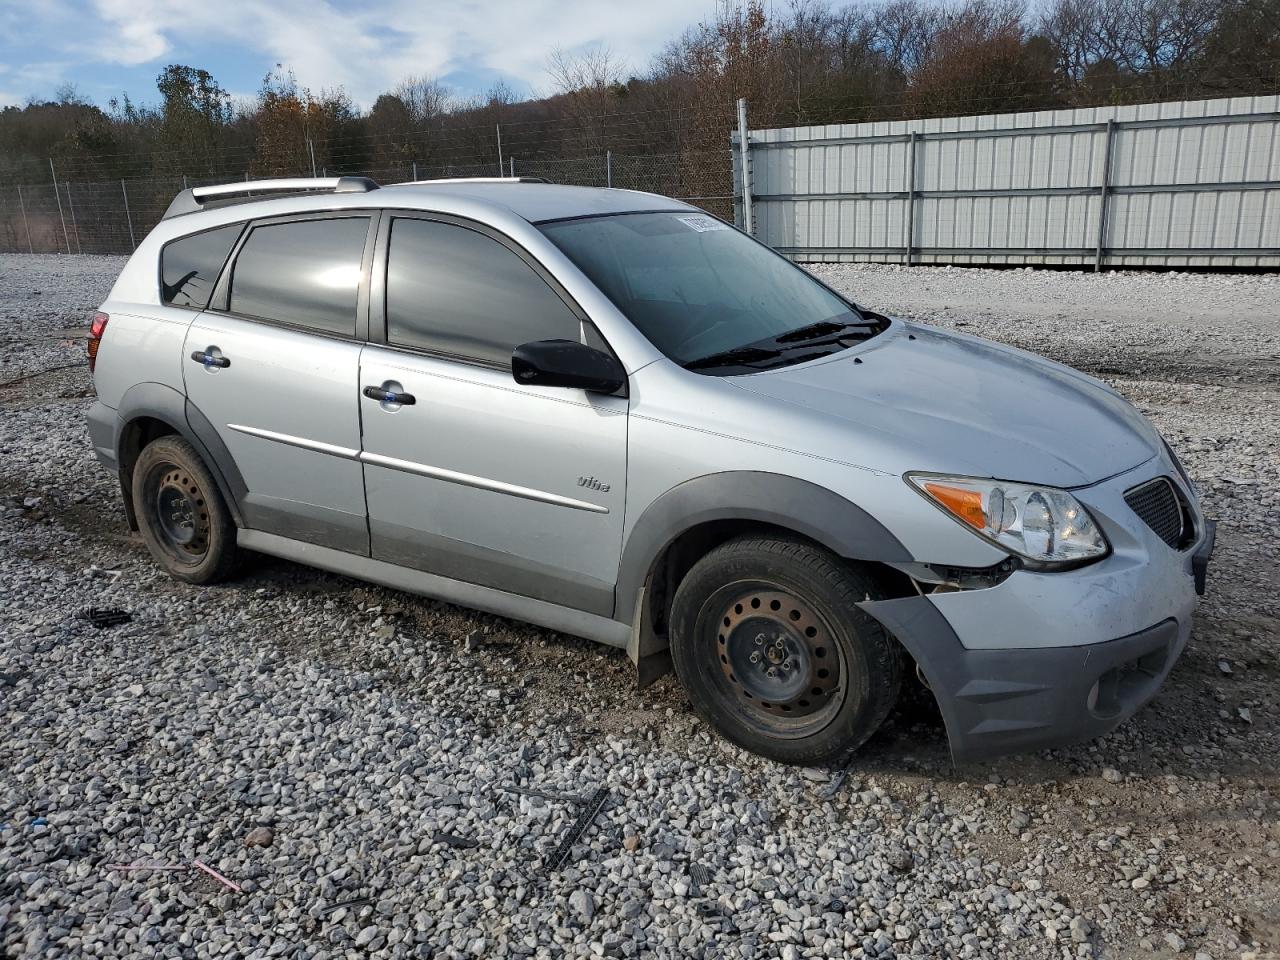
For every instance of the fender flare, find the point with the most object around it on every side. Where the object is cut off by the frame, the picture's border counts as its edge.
(162, 402)
(788, 502)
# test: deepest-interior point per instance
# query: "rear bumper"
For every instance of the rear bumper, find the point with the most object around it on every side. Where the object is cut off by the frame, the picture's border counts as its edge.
(102, 433)
(1006, 701)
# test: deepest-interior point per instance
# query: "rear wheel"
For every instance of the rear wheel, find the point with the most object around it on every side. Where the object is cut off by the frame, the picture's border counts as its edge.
(774, 653)
(181, 514)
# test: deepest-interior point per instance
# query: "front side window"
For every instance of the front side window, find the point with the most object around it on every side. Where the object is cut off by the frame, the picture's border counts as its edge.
(455, 291)
(705, 294)
(189, 267)
(305, 273)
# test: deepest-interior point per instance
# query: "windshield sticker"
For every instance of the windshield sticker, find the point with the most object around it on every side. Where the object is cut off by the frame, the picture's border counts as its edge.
(703, 224)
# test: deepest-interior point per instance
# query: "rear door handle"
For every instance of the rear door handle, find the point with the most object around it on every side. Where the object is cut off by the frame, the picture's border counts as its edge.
(390, 396)
(209, 359)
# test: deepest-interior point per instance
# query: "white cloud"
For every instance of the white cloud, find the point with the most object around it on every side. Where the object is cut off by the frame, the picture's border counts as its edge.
(369, 47)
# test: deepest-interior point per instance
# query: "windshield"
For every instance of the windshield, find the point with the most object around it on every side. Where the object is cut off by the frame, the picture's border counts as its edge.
(708, 296)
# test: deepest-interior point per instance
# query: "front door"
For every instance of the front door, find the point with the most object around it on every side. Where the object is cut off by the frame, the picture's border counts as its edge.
(480, 478)
(276, 374)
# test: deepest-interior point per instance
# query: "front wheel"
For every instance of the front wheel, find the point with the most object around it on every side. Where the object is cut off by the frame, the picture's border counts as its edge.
(774, 653)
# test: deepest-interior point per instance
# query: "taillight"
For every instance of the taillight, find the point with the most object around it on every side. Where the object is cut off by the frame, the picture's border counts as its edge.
(96, 329)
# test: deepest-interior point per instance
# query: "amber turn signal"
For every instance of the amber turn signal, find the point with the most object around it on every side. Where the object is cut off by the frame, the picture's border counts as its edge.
(965, 504)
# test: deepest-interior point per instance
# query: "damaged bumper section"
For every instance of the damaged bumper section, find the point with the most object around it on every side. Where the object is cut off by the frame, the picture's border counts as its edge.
(1043, 659)
(1003, 701)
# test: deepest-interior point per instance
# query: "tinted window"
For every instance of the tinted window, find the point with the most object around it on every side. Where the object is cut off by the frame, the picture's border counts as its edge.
(306, 273)
(693, 285)
(189, 267)
(456, 291)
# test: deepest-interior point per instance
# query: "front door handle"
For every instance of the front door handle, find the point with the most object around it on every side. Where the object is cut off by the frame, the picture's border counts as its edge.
(210, 358)
(390, 396)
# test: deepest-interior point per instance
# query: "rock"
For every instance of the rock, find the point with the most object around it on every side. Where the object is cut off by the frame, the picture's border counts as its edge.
(1112, 775)
(259, 837)
(900, 859)
(582, 905)
(1175, 942)
(631, 844)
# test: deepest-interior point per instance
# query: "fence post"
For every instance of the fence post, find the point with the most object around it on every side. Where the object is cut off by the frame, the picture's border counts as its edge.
(25, 225)
(1104, 194)
(511, 161)
(311, 149)
(608, 168)
(74, 226)
(744, 152)
(908, 254)
(57, 196)
(128, 217)
(415, 170)
(498, 129)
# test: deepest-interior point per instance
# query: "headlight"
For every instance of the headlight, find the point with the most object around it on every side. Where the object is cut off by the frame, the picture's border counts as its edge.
(1042, 524)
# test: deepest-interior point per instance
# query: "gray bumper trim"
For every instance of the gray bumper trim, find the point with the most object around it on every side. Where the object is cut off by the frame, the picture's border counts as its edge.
(102, 433)
(1006, 701)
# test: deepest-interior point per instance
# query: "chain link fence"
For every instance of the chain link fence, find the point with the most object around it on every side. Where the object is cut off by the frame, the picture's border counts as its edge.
(111, 217)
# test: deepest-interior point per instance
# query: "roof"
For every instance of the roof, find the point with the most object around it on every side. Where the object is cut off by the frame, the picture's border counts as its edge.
(537, 202)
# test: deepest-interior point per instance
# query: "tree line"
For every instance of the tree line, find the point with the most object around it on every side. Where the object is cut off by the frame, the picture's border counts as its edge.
(809, 62)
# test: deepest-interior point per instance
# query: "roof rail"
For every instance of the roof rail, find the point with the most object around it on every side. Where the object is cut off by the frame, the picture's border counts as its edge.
(194, 199)
(414, 183)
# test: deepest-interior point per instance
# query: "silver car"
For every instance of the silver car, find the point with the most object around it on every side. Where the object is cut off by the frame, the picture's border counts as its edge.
(614, 415)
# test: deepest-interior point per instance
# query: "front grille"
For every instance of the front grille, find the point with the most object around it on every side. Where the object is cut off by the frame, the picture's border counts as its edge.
(1160, 507)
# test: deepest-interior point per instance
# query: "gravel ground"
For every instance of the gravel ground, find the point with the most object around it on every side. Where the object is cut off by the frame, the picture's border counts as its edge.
(382, 775)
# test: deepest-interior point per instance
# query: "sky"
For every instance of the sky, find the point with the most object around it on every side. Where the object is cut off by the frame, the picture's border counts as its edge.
(106, 47)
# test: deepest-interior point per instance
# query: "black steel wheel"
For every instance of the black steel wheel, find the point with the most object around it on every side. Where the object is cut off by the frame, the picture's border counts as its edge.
(774, 653)
(181, 514)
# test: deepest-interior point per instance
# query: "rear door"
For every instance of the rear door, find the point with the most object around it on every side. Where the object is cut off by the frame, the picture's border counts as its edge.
(273, 366)
(483, 479)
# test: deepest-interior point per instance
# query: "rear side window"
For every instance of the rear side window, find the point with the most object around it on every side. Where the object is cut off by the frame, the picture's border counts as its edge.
(455, 291)
(305, 273)
(189, 267)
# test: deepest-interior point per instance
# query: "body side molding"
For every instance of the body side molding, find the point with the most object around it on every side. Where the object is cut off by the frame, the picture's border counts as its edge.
(540, 612)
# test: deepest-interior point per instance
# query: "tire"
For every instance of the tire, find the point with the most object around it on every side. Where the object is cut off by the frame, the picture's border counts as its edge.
(182, 517)
(760, 604)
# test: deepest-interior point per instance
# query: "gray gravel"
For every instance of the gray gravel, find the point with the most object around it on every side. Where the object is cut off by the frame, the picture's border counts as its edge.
(382, 775)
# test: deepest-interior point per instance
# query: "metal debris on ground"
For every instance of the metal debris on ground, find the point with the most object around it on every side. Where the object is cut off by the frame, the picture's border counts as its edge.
(354, 902)
(205, 868)
(590, 810)
(178, 868)
(545, 794)
(452, 840)
(103, 617)
(699, 878)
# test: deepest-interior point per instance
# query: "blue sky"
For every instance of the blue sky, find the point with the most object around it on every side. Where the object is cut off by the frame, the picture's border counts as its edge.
(105, 47)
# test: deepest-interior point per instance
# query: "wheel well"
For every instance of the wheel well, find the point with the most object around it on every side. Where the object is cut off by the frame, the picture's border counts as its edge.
(679, 556)
(134, 437)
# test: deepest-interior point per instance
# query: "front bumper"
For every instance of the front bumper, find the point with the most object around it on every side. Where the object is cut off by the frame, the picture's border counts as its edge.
(1045, 659)
(1006, 701)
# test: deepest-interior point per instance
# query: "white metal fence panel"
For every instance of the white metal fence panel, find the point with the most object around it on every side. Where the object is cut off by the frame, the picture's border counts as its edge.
(1194, 183)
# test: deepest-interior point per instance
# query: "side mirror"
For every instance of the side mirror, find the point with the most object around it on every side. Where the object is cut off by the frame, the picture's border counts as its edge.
(567, 363)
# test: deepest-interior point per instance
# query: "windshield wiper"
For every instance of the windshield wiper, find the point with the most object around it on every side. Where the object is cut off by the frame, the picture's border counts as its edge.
(738, 356)
(825, 328)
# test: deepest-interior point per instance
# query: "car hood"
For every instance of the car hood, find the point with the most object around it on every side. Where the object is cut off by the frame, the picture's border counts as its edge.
(952, 403)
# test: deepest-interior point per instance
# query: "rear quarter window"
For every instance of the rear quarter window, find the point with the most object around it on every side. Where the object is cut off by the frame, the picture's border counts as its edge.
(189, 267)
